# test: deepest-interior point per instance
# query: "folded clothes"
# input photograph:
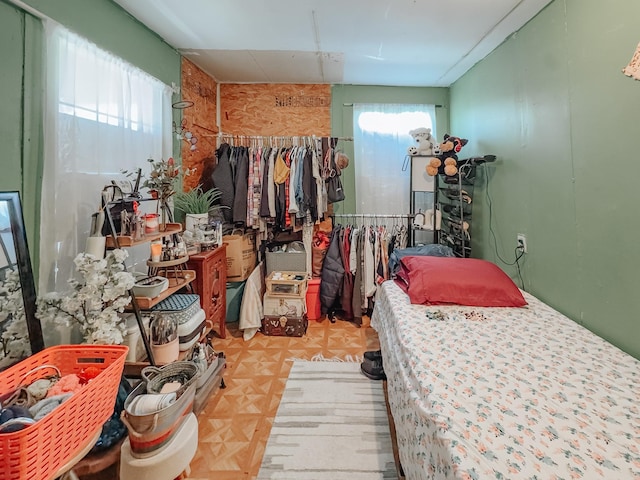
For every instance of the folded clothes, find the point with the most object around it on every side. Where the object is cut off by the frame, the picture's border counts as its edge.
(15, 424)
(67, 383)
(39, 389)
(150, 403)
(47, 405)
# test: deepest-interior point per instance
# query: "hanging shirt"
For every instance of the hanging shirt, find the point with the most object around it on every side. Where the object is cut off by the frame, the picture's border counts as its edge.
(353, 254)
(293, 204)
(242, 185)
(222, 179)
(255, 192)
(249, 212)
(368, 277)
(264, 189)
(270, 183)
(321, 187)
(287, 184)
(309, 197)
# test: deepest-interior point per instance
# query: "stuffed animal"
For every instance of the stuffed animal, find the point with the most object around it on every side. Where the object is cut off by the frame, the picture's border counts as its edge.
(424, 142)
(446, 162)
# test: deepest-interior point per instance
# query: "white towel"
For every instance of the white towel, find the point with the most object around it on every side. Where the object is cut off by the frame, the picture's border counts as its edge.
(251, 307)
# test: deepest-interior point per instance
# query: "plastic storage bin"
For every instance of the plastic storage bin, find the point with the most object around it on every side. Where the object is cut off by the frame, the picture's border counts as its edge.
(292, 259)
(313, 299)
(235, 290)
(37, 452)
(133, 339)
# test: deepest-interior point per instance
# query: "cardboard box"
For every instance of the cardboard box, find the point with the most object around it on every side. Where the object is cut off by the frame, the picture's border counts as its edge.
(241, 255)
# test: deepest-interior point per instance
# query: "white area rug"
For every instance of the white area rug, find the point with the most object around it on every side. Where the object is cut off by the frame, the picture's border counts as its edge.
(331, 424)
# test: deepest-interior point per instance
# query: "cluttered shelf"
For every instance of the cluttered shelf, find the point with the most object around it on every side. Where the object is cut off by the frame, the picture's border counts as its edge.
(129, 241)
(133, 369)
(175, 284)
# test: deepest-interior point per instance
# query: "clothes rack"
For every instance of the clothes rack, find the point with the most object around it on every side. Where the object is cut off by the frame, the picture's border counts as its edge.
(274, 140)
(373, 215)
(363, 249)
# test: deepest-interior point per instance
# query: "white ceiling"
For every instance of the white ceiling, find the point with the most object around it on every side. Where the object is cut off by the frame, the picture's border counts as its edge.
(363, 42)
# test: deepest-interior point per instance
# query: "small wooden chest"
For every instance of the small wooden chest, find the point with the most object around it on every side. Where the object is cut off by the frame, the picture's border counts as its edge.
(284, 326)
(287, 283)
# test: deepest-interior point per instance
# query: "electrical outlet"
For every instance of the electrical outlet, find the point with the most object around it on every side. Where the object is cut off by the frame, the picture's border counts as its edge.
(522, 242)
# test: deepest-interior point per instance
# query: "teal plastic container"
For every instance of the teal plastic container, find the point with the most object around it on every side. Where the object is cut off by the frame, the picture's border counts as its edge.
(235, 290)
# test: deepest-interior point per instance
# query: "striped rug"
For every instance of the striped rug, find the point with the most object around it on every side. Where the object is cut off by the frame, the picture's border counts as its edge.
(331, 424)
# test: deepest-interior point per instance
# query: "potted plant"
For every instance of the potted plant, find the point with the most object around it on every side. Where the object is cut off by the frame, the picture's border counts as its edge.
(197, 205)
(162, 180)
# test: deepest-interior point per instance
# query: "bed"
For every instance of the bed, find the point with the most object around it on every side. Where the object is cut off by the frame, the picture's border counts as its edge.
(505, 392)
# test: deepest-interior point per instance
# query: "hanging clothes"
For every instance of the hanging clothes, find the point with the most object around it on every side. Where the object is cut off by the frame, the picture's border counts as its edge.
(308, 186)
(272, 187)
(287, 183)
(347, 279)
(264, 197)
(255, 188)
(293, 165)
(280, 177)
(356, 271)
(241, 185)
(364, 255)
(332, 275)
(222, 179)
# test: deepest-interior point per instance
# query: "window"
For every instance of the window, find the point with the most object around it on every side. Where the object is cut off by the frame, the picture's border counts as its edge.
(102, 115)
(381, 139)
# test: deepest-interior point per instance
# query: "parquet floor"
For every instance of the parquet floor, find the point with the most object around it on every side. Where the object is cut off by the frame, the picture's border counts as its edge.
(235, 424)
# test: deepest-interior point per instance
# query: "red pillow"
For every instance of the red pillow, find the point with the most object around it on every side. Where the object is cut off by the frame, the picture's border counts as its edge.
(459, 281)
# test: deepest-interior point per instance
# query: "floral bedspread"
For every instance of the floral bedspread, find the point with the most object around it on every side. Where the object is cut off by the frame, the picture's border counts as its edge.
(522, 393)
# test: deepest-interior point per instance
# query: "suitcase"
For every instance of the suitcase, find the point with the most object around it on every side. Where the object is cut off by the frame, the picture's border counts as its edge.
(190, 331)
(284, 326)
(290, 306)
(180, 306)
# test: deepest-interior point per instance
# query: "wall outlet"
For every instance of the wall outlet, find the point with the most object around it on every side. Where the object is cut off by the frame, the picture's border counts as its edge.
(522, 242)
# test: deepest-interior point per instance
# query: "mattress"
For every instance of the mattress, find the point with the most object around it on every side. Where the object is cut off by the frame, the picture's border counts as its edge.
(505, 393)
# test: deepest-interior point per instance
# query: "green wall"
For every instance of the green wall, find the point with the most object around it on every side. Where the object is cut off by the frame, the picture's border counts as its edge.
(344, 96)
(21, 120)
(22, 82)
(552, 104)
(112, 28)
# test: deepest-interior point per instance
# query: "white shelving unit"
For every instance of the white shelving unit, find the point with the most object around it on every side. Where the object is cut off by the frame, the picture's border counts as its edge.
(422, 200)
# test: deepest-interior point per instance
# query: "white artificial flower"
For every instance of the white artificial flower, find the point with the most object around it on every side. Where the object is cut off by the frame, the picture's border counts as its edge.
(95, 302)
(14, 341)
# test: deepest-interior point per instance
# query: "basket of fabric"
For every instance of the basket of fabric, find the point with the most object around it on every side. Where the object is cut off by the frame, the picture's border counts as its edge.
(39, 451)
(155, 409)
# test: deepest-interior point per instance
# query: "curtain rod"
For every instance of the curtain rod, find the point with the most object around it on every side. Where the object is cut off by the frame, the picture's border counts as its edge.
(373, 215)
(251, 137)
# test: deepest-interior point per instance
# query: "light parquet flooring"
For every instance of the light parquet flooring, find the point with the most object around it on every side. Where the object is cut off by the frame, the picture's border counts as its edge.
(235, 424)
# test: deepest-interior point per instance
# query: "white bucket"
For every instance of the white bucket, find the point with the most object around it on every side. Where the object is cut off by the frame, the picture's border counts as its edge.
(192, 220)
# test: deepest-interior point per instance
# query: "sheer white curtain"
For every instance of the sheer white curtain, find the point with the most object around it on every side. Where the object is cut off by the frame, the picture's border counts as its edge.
(102, 115)
(381, 138)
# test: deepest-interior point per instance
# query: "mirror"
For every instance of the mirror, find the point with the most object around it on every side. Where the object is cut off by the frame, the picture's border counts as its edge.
(20, 330)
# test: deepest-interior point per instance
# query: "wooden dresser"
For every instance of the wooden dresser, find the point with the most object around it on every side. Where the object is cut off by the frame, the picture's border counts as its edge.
(211, 284)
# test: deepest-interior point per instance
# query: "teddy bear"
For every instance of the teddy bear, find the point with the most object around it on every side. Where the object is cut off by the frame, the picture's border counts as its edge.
(446, 161)
(424, 142)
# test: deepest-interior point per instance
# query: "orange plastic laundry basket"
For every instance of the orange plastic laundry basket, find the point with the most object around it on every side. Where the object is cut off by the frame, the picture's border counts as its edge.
(40, 450)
